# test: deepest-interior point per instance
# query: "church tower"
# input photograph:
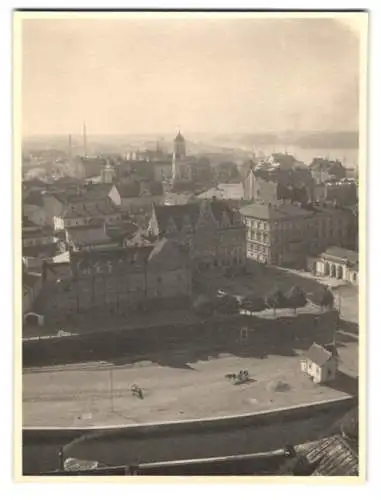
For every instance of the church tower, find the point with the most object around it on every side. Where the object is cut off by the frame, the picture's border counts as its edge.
(179, 147)
(179, 171)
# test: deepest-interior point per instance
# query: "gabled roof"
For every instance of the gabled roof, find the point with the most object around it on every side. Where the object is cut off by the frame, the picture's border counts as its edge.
(318, 354)
(190, 212)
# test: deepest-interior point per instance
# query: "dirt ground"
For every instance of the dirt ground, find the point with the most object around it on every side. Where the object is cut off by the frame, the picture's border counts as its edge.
(99, 394)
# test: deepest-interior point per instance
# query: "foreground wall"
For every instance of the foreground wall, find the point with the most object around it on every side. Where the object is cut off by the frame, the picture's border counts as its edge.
(282, 335)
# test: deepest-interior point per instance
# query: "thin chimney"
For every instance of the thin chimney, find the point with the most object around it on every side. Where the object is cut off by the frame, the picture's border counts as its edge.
(70, 153)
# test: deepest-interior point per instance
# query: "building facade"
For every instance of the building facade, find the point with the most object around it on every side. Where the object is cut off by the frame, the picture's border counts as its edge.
(212, 232)
(122, 279)
(135, 197)
(267, 184)
(286, 234)
(320, 363)
(338, 263)
(35, 236)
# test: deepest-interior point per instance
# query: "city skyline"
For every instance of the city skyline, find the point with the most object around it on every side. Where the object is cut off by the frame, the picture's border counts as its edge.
(201, 75)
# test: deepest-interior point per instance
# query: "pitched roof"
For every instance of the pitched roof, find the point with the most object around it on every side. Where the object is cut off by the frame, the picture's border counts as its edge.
(167, 255)
(28, 224)
(121, 229)
(90, 211)
(318, 354)
(190, 212)
(224, 192)
(274, 212)
(177, 213)
(30, 279)
(117, 258)
(47, 250)
(342, 253)
(172, 198)
(134, 189)
(33, 198)
(335, 457)
(129, 189)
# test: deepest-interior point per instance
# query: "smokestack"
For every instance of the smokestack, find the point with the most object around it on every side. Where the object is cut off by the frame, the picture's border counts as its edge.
(70, 152)
(84, 139)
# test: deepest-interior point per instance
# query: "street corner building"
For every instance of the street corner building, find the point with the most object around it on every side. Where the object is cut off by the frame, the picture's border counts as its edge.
(211, 230)
(286, 233)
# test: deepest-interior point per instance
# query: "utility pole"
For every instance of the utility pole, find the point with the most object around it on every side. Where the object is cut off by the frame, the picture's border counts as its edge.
(111, 389)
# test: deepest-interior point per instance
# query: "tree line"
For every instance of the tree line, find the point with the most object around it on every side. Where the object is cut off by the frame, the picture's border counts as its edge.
(295, 298)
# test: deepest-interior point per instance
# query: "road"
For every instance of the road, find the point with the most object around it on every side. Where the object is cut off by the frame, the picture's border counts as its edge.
(43, 457)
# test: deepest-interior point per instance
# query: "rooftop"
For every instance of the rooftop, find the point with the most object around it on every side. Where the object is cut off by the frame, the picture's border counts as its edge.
(342, 254)
(318, 354)
(29, 280)
(33, 198)
(224, 192)
(335, 457)
(90, 211)
(134, 189)
(274, 212)
(167, 255)
(189, 213)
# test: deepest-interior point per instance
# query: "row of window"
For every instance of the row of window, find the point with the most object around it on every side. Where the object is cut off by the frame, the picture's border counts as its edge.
(255, 248)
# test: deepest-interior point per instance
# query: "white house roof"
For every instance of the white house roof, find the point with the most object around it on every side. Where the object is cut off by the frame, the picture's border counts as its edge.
(318, 354)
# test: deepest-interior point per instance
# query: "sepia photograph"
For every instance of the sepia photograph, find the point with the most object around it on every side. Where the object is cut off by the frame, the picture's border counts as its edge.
(189, 243)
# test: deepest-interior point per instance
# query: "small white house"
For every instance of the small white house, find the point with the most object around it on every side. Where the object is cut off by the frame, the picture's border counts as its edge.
(320, 363)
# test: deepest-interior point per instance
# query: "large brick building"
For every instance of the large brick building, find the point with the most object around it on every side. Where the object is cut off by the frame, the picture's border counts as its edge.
(285, 233)
(119, 280)
(212, 231)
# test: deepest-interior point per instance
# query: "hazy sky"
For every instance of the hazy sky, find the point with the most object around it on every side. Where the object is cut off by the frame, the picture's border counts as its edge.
(204, 75)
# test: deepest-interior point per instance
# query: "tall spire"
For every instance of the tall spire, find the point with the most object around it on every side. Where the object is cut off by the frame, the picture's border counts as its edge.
(84, 139)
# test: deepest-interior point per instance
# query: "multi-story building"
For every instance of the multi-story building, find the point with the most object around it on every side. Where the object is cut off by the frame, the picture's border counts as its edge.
(88, 166)
(136, 196)
(80, 207)
(212, 231)
(121, 279)
(35, 236)
(285, 234)
(323, 170)
(266, 184)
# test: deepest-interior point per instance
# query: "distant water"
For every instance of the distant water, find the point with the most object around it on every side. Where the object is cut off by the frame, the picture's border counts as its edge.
(349, 157)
